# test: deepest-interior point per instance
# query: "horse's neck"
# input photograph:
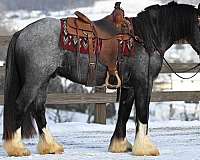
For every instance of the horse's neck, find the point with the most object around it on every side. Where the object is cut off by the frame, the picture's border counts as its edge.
(160, 39)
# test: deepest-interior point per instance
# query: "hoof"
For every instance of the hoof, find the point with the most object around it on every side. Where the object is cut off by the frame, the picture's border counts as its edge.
(120, 145)
(15, 149)
(48, 145)
(144, 147)
(52, 148)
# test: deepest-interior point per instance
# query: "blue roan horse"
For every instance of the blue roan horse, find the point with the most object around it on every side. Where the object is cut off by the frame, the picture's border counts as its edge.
(34, 57)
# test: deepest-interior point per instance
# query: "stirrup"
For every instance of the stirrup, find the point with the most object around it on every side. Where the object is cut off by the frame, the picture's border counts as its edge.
(110, 85)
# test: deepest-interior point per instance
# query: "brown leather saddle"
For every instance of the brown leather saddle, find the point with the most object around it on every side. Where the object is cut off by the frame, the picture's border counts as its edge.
(111, 29)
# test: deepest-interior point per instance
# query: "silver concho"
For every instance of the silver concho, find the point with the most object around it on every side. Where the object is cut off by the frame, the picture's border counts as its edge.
(75, 40)
(85, 43)
(130, 43)
(65, 32)
(66, 39)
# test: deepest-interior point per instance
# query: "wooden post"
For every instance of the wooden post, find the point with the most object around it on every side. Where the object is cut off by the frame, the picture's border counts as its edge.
(100, 108)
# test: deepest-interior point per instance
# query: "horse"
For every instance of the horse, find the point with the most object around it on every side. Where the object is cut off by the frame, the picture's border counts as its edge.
(34, 57)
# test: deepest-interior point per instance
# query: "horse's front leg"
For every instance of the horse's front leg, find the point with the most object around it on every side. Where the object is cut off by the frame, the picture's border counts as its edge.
(47, 143)
(143, 145)
(119, 142)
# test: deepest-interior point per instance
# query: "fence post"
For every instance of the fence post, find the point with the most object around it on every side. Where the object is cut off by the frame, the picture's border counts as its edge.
(100, 108)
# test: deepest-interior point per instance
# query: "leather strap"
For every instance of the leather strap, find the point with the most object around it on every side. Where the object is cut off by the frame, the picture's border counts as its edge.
(78, 50)
(120, 60)
(92, 61)
(112, 67)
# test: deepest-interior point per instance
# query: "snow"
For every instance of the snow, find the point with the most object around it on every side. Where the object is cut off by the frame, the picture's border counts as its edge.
(2, 63)
(175, 139)
(65, 116)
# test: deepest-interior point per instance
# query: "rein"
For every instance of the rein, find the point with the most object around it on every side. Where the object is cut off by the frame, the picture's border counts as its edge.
(170, 67)
(161, 52)
(173, 71)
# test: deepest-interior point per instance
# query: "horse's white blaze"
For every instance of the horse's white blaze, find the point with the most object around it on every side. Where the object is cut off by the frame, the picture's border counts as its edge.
(143, 145)
(121, 145)
(47, 144)
(15, 147)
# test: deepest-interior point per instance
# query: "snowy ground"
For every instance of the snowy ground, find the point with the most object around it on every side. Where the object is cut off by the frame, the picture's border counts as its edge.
(176, 141)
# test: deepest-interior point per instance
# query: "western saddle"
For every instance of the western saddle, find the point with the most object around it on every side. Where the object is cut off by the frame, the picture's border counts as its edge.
(111, 29)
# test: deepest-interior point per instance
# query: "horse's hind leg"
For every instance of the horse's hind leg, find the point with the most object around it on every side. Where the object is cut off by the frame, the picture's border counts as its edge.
(47, 144)
(119, 143)
(15, 146)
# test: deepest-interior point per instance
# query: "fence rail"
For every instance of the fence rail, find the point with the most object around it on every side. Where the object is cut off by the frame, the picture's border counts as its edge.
(4, 40)
(100, 98)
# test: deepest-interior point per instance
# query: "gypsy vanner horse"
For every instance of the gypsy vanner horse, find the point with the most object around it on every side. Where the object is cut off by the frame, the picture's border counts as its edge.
(34, 57)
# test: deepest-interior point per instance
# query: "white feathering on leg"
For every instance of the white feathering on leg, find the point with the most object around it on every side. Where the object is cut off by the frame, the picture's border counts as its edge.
(15, 147)
(120, 145)
(143, 145)
(47, 144)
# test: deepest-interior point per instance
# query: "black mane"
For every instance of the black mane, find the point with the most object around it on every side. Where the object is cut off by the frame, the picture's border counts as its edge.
(172, 21)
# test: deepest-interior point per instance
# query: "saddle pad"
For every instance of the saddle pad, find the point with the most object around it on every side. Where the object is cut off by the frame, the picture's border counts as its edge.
(69, 42)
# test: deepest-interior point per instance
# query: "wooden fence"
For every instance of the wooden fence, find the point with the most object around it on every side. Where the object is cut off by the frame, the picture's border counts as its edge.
(100, 97)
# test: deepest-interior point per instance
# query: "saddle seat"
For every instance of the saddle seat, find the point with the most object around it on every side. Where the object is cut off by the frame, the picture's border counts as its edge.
(111, 29)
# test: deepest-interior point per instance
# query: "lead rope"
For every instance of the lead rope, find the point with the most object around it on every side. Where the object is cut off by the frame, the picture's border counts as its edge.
(173, 71)
(170, 67)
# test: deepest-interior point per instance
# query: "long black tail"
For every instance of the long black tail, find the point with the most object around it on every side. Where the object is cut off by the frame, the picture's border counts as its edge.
(11, 91)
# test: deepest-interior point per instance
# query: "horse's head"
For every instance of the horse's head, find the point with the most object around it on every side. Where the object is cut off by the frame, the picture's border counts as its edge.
(160, 26)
